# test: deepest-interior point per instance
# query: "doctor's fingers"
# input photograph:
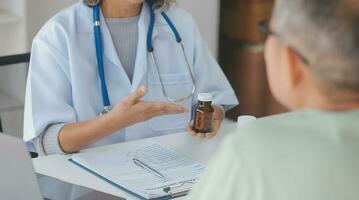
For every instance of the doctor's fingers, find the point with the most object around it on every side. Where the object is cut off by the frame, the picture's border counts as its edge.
(135, 96)
(194, 133)
(190, 129)
(200, 135)
(216, 126)
(160, 108)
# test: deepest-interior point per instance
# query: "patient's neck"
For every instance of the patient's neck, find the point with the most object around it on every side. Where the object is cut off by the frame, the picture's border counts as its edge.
(344, 102)
(340, 106)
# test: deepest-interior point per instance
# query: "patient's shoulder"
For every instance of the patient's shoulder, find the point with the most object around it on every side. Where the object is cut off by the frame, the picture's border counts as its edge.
(272, 125)
(272, 133)
(305, 132)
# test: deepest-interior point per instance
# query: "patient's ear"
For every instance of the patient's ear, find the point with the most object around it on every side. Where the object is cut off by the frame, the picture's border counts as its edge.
(295, 68)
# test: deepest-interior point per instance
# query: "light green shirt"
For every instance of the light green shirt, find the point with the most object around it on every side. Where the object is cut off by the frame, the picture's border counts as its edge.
(303, 155)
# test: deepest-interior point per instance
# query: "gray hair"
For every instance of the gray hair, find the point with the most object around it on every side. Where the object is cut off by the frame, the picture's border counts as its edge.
(326, 32)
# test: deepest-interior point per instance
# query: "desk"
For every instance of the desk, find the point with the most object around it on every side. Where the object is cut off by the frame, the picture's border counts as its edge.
(58, 166)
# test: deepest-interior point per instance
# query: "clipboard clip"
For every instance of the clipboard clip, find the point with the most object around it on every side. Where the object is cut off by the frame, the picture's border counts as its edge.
(177, 193)
(174, 193)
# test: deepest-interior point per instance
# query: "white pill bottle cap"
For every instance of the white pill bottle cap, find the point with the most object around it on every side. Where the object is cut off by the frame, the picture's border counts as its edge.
(243, 120)
(205, 97)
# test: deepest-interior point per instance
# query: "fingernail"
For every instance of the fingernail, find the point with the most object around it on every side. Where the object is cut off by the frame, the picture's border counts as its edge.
(143, 89)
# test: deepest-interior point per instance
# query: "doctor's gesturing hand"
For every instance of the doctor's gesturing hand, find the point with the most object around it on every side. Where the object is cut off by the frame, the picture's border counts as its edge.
(131, 110)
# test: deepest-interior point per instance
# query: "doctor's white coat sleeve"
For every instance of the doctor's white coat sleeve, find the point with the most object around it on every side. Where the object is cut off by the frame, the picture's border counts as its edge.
(210, 77)
(48, 93)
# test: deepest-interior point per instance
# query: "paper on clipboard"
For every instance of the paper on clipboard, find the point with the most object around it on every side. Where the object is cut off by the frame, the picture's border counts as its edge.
(117, 166)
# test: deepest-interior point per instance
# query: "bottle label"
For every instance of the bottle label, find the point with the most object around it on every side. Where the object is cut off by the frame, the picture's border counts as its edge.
(203, 122)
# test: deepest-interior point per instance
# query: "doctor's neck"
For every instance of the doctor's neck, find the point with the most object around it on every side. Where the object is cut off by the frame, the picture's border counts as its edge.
(121, 8)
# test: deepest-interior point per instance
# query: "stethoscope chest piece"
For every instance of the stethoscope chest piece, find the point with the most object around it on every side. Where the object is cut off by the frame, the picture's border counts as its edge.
(106, 110)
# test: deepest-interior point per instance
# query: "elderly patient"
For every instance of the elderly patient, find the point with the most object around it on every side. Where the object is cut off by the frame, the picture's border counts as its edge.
(312, 153)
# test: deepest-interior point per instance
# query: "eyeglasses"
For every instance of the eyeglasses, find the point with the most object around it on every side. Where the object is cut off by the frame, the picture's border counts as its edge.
(264, 28)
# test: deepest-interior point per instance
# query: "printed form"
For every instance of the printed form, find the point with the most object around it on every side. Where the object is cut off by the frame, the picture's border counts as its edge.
(116, 165)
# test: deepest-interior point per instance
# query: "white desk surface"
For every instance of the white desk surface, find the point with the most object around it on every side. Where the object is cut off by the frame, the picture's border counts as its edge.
(58, 166)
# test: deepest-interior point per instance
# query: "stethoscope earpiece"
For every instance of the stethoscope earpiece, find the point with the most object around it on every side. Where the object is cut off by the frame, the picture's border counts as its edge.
(92, 3)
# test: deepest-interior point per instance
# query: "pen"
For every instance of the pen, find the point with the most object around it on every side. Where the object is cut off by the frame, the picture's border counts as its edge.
(144, 166)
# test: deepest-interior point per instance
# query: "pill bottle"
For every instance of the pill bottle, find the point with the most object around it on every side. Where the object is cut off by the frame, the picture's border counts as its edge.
(203, 115)
(244, 120)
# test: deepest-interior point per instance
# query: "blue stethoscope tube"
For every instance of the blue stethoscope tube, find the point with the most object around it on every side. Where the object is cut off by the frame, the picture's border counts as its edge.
(99, 57)
(150, 49)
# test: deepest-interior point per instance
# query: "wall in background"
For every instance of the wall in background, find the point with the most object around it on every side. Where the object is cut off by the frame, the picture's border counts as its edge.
(20, 20)
(12, 80)
(206, 14)
(38, 18)
(12, 31)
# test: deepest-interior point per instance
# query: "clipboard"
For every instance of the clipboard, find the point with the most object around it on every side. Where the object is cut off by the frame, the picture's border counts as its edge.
(116, 166)
(171, 194)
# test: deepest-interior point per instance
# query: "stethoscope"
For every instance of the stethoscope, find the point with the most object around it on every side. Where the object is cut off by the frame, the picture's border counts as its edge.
(95, 4)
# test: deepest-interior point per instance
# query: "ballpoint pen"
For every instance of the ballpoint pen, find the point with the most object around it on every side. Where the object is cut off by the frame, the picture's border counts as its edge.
(148, 168)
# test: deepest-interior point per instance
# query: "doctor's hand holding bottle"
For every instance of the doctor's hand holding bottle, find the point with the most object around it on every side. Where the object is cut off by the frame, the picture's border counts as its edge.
(218, 116)
(207, 118)
(131, 110)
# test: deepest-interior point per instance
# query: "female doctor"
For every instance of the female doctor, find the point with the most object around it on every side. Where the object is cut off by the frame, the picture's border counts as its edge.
(108, 71)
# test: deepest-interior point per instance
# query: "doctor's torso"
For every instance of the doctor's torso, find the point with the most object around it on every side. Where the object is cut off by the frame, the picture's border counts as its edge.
(64, 85)
(70, 33)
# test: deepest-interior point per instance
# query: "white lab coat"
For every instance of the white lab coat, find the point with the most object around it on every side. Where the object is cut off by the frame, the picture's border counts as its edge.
(63, 82)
